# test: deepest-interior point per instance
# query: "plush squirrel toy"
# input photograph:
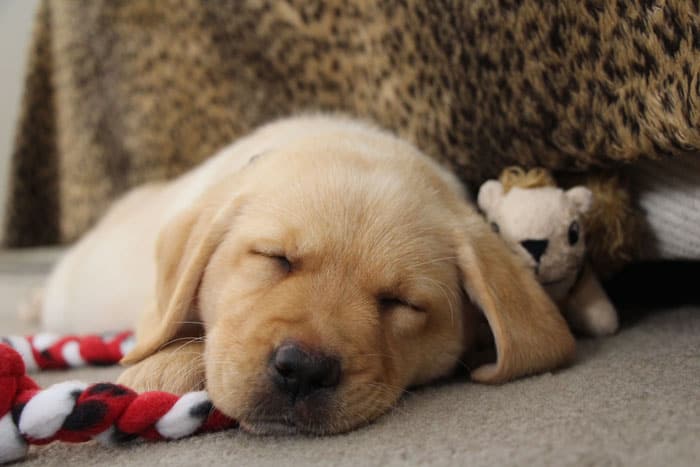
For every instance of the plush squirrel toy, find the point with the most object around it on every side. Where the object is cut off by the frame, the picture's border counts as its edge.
(543, 225)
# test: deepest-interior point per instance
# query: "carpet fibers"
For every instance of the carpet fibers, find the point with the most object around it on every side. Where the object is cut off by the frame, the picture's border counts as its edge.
(633, 399)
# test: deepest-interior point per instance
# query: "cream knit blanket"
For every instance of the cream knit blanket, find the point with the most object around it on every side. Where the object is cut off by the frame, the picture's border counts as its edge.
(669, 194)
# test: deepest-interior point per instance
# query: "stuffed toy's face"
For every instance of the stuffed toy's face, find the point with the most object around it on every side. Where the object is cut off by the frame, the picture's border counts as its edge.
(543, 226)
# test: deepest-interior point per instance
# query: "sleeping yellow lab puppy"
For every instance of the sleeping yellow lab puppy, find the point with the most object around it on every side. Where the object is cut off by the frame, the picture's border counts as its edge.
(305, 275)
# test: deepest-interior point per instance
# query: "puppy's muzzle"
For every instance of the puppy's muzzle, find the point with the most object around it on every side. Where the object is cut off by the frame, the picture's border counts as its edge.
(299, 373)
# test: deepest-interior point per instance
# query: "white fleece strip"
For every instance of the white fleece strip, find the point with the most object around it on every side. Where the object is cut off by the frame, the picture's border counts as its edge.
(668, 192)
(12, 446)
(44, 340)
(71, 354)
(127, 345)
(45, 413)
(24, 348)
(177, 422)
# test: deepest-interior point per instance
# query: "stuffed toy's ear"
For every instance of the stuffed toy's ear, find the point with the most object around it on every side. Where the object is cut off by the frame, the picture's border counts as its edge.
(582, 198)
(490, 194)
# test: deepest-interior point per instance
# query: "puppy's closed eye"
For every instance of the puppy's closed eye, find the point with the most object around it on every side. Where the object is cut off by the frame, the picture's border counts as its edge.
(390, 302)
(406, 319)
(283, 262)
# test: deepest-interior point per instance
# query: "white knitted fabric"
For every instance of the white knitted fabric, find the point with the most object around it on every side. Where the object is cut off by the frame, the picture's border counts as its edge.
(668, 191)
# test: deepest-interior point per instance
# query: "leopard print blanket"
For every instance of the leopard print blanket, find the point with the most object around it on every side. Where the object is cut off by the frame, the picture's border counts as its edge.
(123, 92)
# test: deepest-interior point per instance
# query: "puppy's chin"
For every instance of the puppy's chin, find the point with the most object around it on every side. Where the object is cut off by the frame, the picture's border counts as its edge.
(275, 414)
(267, 411)
(283, 426)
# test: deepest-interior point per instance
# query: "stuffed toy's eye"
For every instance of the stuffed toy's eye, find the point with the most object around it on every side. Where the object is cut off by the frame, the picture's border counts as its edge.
(495, 227)
(574, 233)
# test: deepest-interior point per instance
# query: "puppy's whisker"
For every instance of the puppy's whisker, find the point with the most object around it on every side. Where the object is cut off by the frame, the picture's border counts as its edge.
(354, 358)
(449, 297)
(388, 387)
(178, 339)
(185, 372)
(434, 261)
(372, 355)
(377, 390)
(189, 340)
(345, 414)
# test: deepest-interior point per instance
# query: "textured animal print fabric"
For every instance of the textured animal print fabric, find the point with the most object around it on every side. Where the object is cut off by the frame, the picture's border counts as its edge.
(123, 92)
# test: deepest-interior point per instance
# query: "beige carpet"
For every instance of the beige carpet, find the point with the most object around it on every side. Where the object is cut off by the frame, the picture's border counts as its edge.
(633, 399)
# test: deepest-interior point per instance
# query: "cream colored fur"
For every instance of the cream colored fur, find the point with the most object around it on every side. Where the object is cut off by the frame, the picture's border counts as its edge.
(320, 230)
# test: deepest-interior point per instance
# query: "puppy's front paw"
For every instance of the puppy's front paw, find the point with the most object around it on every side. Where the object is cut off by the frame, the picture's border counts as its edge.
(177, 369)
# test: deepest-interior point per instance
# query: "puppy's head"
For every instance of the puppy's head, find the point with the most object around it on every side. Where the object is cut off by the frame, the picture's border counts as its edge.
(329, 279)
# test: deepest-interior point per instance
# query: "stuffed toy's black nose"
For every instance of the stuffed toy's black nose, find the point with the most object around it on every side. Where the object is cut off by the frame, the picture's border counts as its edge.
(299, 372)
(536, 248)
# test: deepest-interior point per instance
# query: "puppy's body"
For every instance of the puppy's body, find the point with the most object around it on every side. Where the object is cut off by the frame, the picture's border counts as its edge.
(107, 279)
(319, 266)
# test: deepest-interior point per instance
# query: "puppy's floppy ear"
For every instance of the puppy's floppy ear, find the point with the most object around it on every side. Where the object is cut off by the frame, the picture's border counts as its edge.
(530, 333)
(182, 252)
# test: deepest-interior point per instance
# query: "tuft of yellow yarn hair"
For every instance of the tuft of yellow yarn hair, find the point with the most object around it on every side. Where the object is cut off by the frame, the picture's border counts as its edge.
(515, 176)
(613, 229)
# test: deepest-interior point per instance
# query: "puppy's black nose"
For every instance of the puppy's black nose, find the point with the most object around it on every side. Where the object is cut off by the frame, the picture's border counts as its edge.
(299, 372)
(536, 248)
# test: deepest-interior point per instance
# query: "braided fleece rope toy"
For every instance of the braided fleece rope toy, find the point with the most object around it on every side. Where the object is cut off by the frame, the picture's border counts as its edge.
(76, 412)
(48, 351)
